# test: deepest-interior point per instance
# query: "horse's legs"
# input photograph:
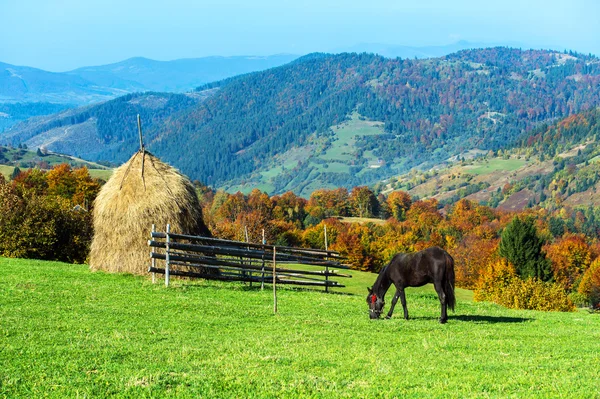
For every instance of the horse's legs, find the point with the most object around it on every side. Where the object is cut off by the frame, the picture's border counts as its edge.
(396, 296)
(399, 294)
(403, 299)
(440, 291)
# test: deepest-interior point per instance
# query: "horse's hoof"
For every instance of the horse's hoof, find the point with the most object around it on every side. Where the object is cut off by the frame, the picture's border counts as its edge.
(443, 321)
(388, 317)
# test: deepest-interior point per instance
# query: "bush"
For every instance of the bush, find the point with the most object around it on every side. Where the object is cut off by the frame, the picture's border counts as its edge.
(502, 285)
(42, 227)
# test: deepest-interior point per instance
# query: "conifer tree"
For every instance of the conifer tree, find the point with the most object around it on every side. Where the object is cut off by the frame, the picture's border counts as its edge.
(521, 246)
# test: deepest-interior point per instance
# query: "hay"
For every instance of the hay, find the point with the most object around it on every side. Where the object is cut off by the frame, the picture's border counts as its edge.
(128, 205)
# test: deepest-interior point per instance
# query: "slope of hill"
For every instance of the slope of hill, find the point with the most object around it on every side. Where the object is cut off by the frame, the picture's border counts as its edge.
(552, 165)
(348, 119)
(108, 128)
(10, 158)
(12, 113)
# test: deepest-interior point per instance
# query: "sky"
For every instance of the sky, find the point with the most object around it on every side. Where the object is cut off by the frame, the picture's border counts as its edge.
(60, 35)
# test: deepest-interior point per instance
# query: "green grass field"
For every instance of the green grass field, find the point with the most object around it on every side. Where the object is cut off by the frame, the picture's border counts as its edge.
(343, 148)
(6, 171)
(507, 165)
(103, 174)
(66, 332)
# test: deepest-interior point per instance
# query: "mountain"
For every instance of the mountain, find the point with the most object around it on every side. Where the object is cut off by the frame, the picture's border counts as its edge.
(178, 75)
(334, 120)
(97, 83)
(394, 51)
(26, 92)
(26, 84)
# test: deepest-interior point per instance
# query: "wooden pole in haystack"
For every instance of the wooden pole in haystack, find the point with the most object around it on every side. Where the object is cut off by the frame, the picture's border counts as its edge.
(274, 281)
(142, 149)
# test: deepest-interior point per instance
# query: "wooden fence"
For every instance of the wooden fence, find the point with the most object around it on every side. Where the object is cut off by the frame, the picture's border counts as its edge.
(226, 260)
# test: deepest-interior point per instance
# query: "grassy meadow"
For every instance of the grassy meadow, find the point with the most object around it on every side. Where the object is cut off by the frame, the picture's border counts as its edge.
(67, 332)
(496, 164)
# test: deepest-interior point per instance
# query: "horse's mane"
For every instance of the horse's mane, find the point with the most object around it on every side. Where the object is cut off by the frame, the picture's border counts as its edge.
(383, 280)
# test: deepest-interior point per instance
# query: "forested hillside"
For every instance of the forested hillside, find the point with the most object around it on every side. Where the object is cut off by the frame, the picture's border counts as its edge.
(291, 126)
(551, 166)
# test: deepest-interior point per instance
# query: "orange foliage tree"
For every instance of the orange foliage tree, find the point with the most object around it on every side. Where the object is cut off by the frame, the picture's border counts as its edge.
(570, 257)
(590, 284)
(398, 203)
(324, 203)
(363, 202)
(471, 259)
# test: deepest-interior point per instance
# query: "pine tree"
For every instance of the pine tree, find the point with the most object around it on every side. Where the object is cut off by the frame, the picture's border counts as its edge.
(16, 171)
(521, 246)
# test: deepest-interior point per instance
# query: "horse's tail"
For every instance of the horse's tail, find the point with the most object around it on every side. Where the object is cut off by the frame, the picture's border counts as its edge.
(449, 286)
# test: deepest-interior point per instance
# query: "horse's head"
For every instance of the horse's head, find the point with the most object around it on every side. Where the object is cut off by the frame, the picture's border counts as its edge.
(375, 304)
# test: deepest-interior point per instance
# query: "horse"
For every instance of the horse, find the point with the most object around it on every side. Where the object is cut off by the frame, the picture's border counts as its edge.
(431, 265)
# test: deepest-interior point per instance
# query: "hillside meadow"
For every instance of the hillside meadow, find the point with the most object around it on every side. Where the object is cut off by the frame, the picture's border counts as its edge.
(67, 332)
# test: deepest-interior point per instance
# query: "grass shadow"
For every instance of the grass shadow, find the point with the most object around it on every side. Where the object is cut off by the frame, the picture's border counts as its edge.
(490, 319)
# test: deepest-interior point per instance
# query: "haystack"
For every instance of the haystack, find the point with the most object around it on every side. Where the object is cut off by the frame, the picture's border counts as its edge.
(130, 203)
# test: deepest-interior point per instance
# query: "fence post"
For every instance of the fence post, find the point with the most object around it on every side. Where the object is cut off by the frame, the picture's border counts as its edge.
(274, 281)
(168, 240)
(153, 260)
(326, 266)
(264, 242)
(247, 240)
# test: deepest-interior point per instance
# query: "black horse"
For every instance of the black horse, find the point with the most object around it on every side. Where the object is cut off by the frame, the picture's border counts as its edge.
(432, 265)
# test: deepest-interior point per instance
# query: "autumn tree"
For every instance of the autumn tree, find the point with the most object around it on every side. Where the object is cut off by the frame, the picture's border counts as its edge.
(570, 257)
(423, 218)
(289, 207)
(467, 215)
(86, 187)
(232, 207)
(590, 284)
(363, 202)
(325, 203)
(355, 243)
(399, 203)
(61, 181)
(261, 203)
(471, 259)
(31, 181)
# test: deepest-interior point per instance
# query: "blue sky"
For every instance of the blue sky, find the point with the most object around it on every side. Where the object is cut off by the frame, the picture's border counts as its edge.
(60, 35)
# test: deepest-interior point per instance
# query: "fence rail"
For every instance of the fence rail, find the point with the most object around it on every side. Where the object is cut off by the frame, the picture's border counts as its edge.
(227, 260)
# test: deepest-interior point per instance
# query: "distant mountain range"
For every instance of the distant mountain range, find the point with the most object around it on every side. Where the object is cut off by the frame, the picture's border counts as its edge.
(27, 92)
(394, 51)
(143, 74)
(98, 83)
(332, 120)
